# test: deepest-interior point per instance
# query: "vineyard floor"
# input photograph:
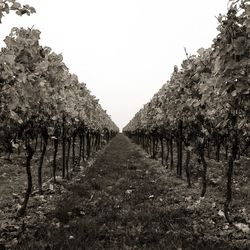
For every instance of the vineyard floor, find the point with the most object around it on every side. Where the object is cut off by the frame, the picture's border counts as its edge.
(126, 200)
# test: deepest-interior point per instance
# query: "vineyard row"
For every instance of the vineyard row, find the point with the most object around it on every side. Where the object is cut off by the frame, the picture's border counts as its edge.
(205, 105)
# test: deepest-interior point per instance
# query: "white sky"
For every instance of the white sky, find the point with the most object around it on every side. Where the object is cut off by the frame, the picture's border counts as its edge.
(124, 50)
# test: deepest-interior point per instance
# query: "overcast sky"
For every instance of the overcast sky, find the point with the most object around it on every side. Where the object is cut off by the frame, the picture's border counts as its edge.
(124, 50)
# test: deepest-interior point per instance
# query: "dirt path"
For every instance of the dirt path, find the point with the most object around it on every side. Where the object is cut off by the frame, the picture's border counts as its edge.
(123, 201)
